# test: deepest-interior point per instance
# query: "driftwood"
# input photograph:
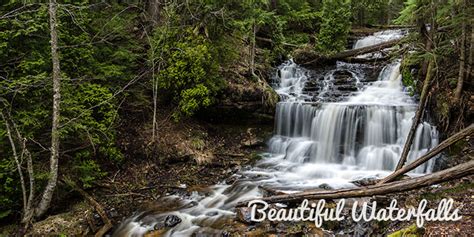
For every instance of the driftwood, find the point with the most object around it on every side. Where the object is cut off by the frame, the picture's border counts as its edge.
(432, 153)
(313, 59)
(455, 172)
(364, 60)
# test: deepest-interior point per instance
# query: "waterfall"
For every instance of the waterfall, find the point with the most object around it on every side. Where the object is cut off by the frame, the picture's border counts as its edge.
(367, 130)
(330, 129)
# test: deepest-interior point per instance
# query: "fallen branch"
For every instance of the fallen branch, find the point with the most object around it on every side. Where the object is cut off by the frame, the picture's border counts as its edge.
(100, 210)
(316, 59)
(364, 60)
(432, 153)
(418, 115)
(458, 171)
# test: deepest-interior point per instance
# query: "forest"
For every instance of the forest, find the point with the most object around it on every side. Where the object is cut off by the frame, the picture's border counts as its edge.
(165, 117)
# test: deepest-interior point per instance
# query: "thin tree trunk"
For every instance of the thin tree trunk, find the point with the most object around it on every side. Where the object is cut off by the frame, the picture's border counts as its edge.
(17, 161)
(53, 173)
(25, 154)
(462, 59)
(432, 153)
(470, 73)
(455, 172)
(153, 7)
(273, 4)
(418, 115)
(252, 49)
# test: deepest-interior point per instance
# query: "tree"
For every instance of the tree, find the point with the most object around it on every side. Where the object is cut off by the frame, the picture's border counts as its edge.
(335, 25)
(462, 58)
(56, 76)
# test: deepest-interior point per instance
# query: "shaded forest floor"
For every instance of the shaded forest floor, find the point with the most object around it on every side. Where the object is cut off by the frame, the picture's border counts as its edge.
(189, 155)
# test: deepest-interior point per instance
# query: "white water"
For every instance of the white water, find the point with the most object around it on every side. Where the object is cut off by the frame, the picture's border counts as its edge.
(315, 144)
(377, 38)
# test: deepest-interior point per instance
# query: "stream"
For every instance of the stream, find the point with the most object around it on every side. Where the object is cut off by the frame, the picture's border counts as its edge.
(333, 126)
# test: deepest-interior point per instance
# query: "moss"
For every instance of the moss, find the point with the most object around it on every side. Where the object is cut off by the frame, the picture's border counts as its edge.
(447, 192)
(410, 62)
(409, 231)
(457, 147)
(255, 156)
(442, 105)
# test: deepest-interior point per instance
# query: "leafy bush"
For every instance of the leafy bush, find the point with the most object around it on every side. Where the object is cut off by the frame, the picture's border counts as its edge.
(189, 72)
(87, 170)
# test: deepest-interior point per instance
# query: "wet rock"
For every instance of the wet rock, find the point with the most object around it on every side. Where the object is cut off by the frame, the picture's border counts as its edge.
(212, 213)
(252, 140)
(113, 213)
(231, 179)
(347, 88)
(244, 215)
(156, 233)
(172, 221)
(325, 186)
(290, 228)
(365, 182)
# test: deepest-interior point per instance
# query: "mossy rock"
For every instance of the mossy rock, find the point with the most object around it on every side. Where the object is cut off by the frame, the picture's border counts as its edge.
(410, 231)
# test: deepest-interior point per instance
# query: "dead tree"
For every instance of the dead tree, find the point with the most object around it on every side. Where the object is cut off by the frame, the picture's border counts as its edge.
(432, 153)
(455, 172)
(418, 116)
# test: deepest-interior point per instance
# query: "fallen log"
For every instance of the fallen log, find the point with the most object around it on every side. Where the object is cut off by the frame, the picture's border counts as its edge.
(455, 172)
(314, 59)
(430, 154)
(364, 60)
(418, 115)
(100, 210)
(396, 27)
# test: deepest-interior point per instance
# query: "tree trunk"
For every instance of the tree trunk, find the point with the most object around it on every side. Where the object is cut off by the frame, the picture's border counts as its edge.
(432, 153)
(153, 8)
(470, 73)
(252, 49)
(316, 60)
(273, 4)
(16, 159)
(418, 115)
(462, 58)
(458, 171)
(53, 173)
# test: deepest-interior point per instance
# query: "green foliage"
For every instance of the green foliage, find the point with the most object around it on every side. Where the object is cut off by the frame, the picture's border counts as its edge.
(335, 26)
(374, 12)
(9, 188)
(408, 13)
(99, 55)
(189, 71)
(410, 62)
(87, 170)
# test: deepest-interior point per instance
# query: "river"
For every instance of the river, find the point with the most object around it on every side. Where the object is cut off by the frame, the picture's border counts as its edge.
(332, 127)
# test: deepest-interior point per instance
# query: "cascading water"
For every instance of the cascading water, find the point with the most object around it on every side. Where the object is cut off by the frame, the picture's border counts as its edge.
(326, 133)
